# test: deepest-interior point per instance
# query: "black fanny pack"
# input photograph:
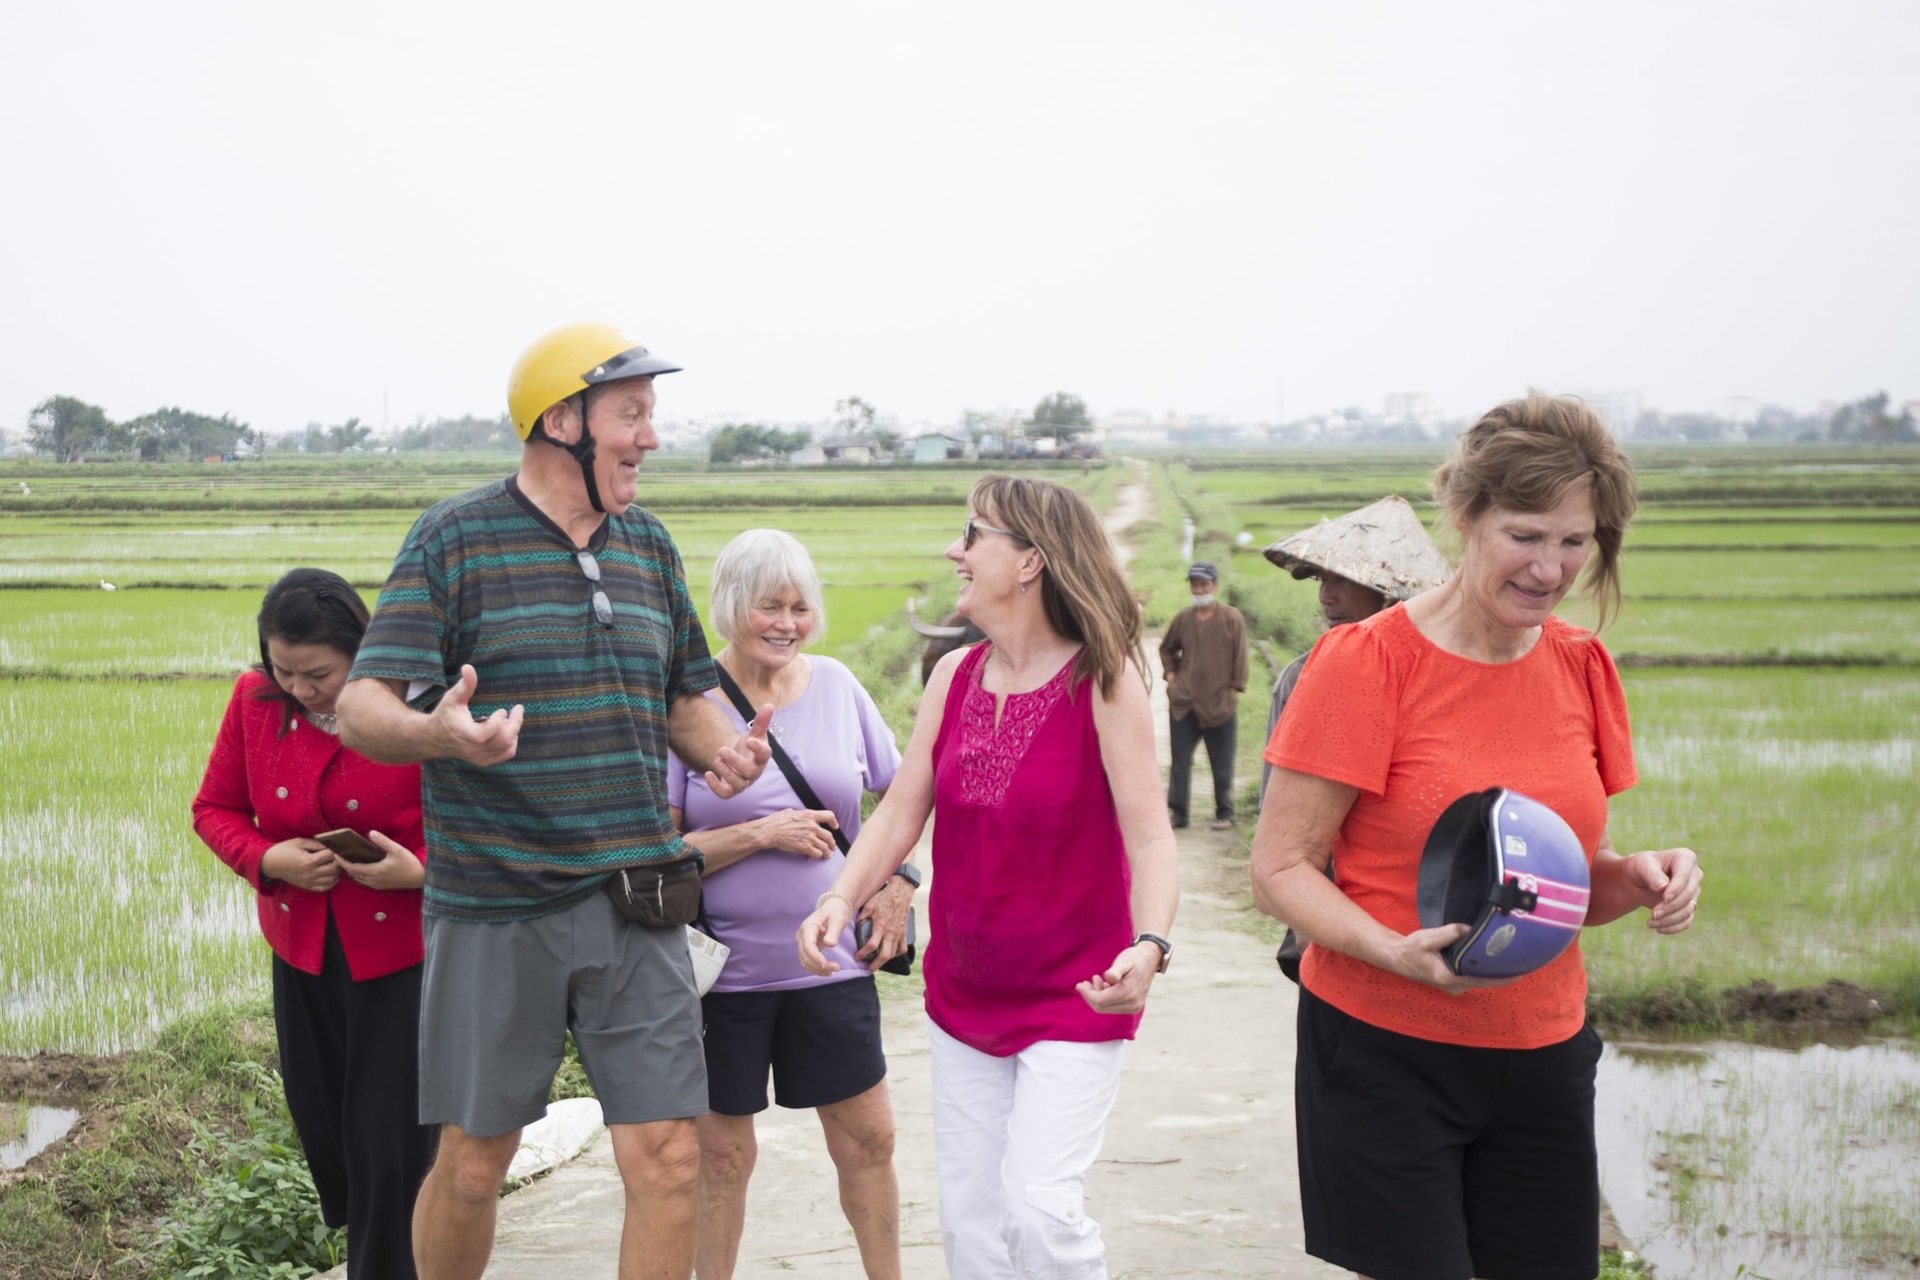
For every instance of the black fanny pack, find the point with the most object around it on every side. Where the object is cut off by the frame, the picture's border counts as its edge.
(658, 895)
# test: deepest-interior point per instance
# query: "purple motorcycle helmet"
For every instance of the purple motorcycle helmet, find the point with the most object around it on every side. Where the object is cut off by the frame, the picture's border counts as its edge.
(1512, 869)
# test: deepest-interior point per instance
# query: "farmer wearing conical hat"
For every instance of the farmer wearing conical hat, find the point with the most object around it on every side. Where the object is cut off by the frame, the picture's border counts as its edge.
(1365, 561)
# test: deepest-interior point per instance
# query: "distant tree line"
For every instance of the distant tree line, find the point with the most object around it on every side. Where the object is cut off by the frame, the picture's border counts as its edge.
(1867, 420)
(1061, 417)
(70, 429)
(466, 432)
(1863, 421)
(749, 442)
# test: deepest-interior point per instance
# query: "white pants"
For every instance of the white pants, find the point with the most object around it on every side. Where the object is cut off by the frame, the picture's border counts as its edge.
(1013, 1139)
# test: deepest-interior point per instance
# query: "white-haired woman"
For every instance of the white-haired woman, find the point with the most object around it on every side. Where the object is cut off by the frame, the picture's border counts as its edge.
(768, 856)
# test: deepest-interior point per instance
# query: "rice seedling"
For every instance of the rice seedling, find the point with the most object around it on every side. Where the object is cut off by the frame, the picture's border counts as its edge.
(1796, 786)
(70, 632)
(117, 919)
(1783, 529)
(1763, 631)
(220, 550)
(1762, 573)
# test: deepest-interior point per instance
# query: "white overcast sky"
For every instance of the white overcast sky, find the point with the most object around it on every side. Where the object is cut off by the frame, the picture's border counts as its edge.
(308, 212)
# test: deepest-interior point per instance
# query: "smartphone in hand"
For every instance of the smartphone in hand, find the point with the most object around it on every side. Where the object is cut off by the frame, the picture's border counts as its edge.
(351, 845)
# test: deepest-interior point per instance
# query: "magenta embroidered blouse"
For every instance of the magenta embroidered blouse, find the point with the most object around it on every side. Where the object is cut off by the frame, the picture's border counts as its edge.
(1031, 876)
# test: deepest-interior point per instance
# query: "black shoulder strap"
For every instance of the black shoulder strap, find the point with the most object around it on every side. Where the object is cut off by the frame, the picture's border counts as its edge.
(795, 778)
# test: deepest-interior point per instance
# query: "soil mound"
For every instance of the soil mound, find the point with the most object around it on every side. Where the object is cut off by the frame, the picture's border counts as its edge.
(1835, 1005)
(62, 1079)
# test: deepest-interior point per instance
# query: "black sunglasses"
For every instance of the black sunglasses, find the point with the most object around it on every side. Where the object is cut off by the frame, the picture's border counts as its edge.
(974, 529)
(602, 607)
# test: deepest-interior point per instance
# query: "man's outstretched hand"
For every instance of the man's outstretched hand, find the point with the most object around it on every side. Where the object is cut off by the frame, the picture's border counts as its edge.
(736, 767)
(489, 741)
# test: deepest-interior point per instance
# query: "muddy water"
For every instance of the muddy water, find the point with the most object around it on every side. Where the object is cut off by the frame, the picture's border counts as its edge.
(33, 1130)
(1792, 1164)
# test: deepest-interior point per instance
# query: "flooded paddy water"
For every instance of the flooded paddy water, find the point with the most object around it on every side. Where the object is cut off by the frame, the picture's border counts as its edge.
(1723, 1160)
(26, 1130)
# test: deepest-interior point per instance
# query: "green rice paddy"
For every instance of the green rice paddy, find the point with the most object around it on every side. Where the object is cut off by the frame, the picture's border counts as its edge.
(1797, 787)
(1792, 777)
(117, 918)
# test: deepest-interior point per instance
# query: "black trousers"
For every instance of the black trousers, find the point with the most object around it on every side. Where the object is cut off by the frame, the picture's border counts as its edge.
(349, 1054)
(1187, 734)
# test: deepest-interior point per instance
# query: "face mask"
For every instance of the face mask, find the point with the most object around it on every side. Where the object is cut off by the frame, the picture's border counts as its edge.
(1205, 601)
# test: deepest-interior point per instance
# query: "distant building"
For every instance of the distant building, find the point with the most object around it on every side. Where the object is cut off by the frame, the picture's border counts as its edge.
(939, 448)
(850, 448)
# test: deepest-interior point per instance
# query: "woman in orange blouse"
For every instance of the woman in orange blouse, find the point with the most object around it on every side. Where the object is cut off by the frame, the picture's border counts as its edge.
(1445, 1124)
(345, 934)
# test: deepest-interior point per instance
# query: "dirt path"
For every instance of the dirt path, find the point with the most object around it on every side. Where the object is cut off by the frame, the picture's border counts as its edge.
(1131, 504)
(1196, 1177)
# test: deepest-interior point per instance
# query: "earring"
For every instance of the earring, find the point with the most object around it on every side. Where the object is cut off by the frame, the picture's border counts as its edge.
(1023, 588)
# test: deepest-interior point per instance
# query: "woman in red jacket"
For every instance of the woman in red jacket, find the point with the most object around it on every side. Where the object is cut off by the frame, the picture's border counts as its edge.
(345, 934)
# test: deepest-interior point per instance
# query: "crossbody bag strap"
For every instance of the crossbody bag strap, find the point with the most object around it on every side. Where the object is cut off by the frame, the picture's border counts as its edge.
(795, 779)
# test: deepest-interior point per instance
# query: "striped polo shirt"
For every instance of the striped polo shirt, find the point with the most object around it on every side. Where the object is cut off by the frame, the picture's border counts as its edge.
(486, 578)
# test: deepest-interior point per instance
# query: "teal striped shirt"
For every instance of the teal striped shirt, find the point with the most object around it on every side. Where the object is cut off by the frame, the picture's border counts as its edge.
(486, 578)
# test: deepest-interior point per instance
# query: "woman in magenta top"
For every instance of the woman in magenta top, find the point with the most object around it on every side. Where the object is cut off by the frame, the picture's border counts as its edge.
(345, 935)
(1056, 877)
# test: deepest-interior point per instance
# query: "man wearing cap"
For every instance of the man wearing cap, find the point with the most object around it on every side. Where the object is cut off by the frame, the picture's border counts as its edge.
(536, 650)
(1204, 658)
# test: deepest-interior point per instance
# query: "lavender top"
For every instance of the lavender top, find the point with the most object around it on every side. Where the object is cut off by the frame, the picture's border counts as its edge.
(836, 737)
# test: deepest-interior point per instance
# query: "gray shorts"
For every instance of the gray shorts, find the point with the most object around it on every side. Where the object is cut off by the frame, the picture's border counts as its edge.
(497, 999)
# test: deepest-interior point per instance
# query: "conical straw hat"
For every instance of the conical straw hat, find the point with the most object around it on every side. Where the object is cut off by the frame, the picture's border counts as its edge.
(1382, 545)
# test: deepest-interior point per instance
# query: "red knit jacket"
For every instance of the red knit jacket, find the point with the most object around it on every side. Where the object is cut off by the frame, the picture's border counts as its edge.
(261, 788)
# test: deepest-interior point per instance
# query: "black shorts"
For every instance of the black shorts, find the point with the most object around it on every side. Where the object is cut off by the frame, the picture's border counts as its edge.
(822, 1044)
(1429, 1161)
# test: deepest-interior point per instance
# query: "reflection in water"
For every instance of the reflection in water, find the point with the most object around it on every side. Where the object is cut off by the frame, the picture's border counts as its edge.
(29, 1130)
(1794, 1164)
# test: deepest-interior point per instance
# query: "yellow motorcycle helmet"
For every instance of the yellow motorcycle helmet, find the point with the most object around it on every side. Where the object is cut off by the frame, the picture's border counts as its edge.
(568, 361)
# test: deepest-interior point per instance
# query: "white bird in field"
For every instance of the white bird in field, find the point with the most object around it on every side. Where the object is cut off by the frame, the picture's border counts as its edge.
(23, 487)
(107, 586)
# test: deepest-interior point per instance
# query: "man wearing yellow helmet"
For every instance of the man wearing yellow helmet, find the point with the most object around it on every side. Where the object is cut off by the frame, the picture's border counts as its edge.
(536, 651)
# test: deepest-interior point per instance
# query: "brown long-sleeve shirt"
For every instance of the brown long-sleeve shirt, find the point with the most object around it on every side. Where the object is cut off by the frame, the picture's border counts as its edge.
(1205, 662)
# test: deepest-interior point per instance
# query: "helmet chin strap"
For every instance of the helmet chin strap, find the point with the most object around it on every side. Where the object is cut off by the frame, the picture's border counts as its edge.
(582, 451)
